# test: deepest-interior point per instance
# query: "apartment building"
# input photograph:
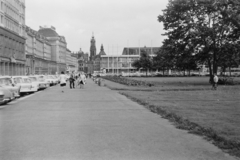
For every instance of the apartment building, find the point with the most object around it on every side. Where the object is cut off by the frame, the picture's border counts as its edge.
(12, 42)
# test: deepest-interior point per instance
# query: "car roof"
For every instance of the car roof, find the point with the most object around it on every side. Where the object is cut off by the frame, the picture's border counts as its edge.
(17, 76)
(5, 76)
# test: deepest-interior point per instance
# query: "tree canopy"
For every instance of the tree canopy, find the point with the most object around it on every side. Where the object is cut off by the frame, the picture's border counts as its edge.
(202, 31)
(144, 62)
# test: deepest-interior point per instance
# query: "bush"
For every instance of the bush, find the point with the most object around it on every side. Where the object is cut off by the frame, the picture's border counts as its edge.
(129, 82)
(226, 81)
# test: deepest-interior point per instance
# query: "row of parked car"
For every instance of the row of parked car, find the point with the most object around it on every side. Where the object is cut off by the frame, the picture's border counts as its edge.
(12, 87)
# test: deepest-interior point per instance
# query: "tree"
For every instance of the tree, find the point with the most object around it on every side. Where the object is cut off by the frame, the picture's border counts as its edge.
(163, 61)
(144, 62)
(200, 28)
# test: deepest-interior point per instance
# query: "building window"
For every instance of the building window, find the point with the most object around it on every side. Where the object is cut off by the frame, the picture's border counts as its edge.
(2, 19)
(2, 6)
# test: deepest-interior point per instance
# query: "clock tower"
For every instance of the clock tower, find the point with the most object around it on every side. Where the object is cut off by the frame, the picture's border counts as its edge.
(93, 49)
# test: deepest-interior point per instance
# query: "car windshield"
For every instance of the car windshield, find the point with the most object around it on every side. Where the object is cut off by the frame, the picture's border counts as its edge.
(41, 78)
(17, 80)
(26, 80)
(33, 79)
(5, 81)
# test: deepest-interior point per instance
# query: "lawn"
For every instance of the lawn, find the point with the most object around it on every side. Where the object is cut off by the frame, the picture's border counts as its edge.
(191, 98)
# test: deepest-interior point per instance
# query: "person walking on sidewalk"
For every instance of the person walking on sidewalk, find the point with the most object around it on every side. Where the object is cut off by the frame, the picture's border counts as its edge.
(81, 80)
(72, 81)
(215, 81)
(63, 81)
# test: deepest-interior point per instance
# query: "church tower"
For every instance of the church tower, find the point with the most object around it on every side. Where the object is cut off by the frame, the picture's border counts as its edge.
(102, 52)
(93, 49)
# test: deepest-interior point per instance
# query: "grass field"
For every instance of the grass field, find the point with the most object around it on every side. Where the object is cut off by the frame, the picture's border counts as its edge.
(191, 98)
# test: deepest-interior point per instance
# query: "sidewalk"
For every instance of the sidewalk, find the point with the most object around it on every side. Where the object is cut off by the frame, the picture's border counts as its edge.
(94, 123)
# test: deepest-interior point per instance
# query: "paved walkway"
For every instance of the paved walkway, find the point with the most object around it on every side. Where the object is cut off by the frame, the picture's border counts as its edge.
(94, 123)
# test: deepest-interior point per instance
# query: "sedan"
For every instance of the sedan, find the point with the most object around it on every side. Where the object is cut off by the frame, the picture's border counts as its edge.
(6, 82)
(25, 87)
(5, 95)
(36, 80)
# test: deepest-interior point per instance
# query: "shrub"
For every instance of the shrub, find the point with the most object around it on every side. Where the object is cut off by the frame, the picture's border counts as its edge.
(129, 82)
(226, 81)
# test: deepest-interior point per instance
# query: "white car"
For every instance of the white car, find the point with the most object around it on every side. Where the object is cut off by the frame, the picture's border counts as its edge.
(42, 84)
(42, 78)
(51, 80)
(6, 82)
(25, 87)
(57, 78)
(2, 101)
(5, 95)
(35, 85)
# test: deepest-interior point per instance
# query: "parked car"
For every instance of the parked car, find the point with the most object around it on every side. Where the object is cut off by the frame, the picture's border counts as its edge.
(25, 87)
(57, 78)
(43, 79)
(36, 79)
(51, 80)
(5, 95)
(6, 82)
(35, 85)
(1, 97)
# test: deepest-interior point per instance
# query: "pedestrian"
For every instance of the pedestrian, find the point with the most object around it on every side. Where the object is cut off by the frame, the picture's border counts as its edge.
(72, 81)
(63, 81)
(215, 81)
(81, 80)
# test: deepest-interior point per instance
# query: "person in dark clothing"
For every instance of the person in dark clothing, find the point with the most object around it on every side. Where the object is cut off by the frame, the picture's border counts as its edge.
(71, 80)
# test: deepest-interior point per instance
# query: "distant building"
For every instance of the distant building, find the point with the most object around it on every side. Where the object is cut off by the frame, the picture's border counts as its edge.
(93, 49)
(58, 46)
(137, 50)
(47, 52)
(119, 64)
(102, 52)
(71, 62)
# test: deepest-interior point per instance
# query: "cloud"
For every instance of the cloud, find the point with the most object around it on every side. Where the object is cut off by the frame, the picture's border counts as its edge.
(80, 31)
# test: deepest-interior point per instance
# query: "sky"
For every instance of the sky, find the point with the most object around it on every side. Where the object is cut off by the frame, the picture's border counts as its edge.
(115, 24)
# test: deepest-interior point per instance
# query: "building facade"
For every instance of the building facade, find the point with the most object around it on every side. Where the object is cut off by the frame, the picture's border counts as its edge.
(38, 53)
(71, 62)
(12, 14)
(47, 55)
(118, 64)
(93, 49)
(12, 42)
(58, 48)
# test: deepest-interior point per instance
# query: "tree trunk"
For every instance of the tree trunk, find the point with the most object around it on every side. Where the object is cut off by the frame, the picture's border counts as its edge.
(210, 71)
(215, 67)
(230, 72)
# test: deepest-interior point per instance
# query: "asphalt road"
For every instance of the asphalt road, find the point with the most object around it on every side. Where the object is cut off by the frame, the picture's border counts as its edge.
(94, 123)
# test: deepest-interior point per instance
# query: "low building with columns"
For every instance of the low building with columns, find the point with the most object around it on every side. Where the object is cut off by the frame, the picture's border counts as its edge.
(119, 64)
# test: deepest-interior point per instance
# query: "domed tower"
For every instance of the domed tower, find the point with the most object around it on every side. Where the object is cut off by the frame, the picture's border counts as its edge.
(102, 52)
(92, 48)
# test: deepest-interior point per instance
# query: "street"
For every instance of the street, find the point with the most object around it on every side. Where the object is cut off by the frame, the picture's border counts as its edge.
(93, 123)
